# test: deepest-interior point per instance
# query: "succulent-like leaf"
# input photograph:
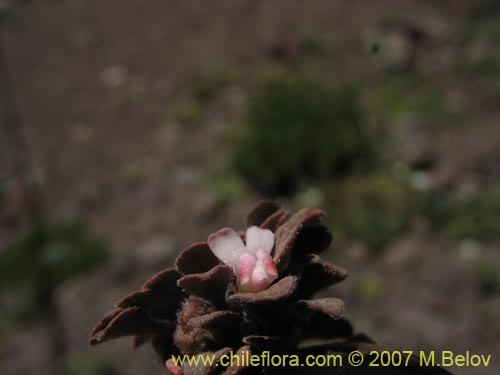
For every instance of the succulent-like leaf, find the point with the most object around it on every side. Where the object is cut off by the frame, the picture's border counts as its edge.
(287, 234)
(235, 368)
(278, 292)
(211, 285)
(130, 321)
(216, 320)
(164, 282)
(261, 211)
(197, 258)
(317, 274)
(272, 343)
(313, 239)
(332, 307)
(101, 324)
(140, 340)
(205, 369)
(275, 220)
(324, 327)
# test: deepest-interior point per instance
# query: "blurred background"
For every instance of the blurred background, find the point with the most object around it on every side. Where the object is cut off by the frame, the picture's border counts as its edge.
(130, 129)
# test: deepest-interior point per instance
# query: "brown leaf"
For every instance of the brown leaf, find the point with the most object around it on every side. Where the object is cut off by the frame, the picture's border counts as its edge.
(270, 343)
(140, 340)
(317, 274)
(206, 370)
(261, 211)
(278, 292)
(211, 285)
(332, 307)
(160, 306)
(164, 282)
(238, 368)
(101, 324)
(324, 327)
(130, 321)
(217, 320)
(313, 239)
(164, 346)
(197, 258)
(287, 234)
(275, 220)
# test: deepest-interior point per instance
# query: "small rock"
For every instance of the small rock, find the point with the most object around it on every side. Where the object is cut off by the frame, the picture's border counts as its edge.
(415, 144)
(153, 252)
(470, 249)
(114, 76)
(422, 181)
(394, 46)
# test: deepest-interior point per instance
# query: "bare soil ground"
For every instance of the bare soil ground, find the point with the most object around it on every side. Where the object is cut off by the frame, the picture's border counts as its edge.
(94, 82)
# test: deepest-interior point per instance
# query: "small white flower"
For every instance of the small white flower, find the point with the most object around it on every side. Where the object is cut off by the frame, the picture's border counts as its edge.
(251, 262)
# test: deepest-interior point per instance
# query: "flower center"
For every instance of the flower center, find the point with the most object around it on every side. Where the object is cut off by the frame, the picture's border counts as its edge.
(256, 272)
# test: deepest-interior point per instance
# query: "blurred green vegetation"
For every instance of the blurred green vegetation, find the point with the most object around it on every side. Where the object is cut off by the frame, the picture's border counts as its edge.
(483, 69)
(374, 208)
(476, 217)
(42, 258)
(131, 175)
(371, 289)
(406, 94)
(323, 140)
(315, 45)
(482, 21)
(485, 275)
(188, 113)
(210, 82)
(300, 128)
(95, 365)
(480, 37)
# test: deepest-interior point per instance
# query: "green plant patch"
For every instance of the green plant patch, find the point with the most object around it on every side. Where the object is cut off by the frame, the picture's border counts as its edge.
(485, 276)
(90, 366)
(477, 217)
(43, 257)
(187, 113)
(207, 84)
(373, 208)
(407, 94)
(299, 129)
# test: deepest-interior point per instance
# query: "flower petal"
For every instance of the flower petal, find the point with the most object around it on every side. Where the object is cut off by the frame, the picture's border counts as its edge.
(227, 246)
(245, 271)
(259, 239)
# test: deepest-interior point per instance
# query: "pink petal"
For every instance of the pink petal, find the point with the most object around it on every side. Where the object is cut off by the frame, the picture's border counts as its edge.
(268, 263)
(173, 368)
(227, 246)
(258, 238)
(245, 271)
(260, 279)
